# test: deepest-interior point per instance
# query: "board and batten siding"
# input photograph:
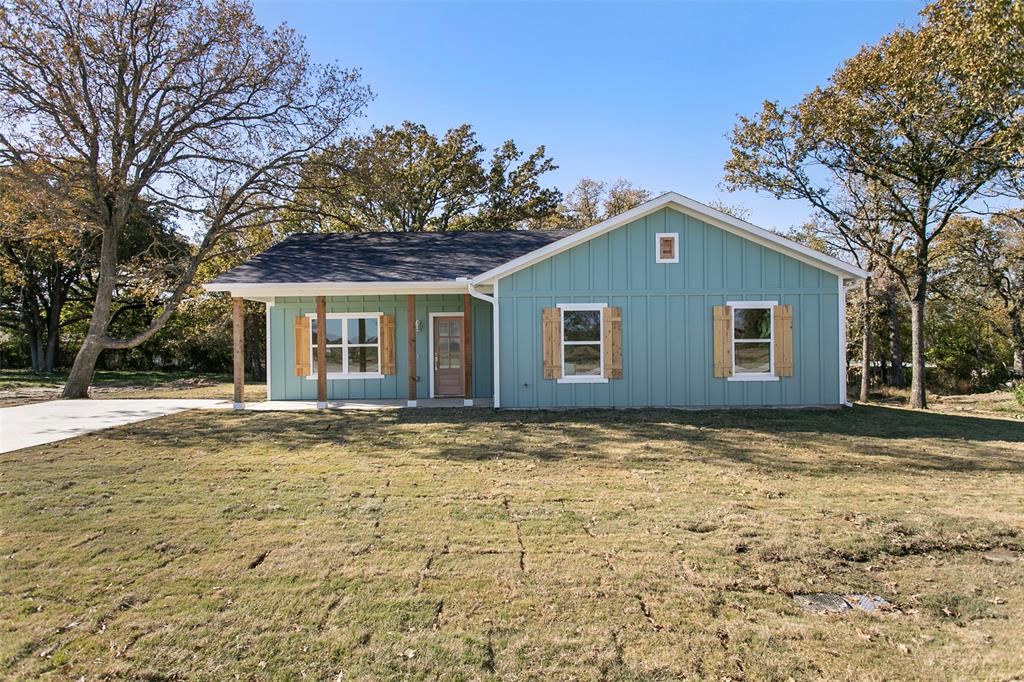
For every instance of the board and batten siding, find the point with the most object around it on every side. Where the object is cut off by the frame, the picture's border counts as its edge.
(285, 385)
(667, 318)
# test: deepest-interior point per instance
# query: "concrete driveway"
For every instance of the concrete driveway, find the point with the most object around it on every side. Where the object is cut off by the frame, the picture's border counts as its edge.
(23, 426)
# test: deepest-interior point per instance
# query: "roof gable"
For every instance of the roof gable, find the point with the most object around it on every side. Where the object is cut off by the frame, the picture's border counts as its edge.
(694, 209)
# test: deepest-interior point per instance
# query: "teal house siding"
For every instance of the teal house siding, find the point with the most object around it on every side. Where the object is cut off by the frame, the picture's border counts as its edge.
(667, 318)
(284, 385)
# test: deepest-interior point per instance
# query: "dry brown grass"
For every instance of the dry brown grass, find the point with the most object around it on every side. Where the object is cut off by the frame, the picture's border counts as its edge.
(20, 387)
(472, 544)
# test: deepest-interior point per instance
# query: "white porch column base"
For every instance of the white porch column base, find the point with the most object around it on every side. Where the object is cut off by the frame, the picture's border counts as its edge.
(468, 402)
(238, 406)
(321, 406)
(410, 403)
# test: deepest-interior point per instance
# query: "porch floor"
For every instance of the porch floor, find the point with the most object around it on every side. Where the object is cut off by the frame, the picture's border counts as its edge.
(299, 405)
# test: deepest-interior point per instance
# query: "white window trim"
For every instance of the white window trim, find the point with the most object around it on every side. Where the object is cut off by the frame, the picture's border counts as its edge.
(751, 376)
(675, 247)
(345, 375)
(587, 379)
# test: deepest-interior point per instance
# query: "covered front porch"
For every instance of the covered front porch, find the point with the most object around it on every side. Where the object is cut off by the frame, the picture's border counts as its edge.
(381, 351)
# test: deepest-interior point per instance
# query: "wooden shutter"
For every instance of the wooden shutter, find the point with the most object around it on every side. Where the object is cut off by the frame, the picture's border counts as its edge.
(612, 319)
(551, 330)
(722, 340)
(387, 345)
(302, 360)
(667, 248)
(783, 340)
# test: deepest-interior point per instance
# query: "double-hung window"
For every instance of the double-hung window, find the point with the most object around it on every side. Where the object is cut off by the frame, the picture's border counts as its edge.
(753, 343)
(582, 343)
(353, 345)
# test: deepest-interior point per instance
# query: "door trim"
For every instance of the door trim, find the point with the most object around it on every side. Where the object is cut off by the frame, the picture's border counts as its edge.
(430, 350)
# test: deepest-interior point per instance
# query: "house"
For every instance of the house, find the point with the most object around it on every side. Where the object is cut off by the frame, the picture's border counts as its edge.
(672, 303)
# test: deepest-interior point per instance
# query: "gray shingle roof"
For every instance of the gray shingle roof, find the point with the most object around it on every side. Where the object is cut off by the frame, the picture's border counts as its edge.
(386, 256)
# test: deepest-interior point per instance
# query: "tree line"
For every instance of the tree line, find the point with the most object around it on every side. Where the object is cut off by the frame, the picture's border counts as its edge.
(147, 147)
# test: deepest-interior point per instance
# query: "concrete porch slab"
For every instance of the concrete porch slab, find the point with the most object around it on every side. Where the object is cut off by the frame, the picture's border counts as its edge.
(302, 405)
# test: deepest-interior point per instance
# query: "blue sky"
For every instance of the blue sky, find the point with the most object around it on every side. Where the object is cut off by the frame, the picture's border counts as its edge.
(643, 91)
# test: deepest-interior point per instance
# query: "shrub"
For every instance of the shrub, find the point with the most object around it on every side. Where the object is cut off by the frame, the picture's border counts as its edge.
(1018, 392)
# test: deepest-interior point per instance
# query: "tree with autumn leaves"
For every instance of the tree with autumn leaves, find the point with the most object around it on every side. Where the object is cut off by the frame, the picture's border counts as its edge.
(909, 133)
(187, 106)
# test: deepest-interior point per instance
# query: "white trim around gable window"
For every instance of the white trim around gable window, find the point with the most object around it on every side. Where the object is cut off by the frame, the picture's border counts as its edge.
(675, 247)
(757, 305)
(345, 345)
(583, 378)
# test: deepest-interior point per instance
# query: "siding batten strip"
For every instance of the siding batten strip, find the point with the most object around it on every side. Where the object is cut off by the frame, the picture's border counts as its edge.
(321, 352)
(238, 350)
(410, 325)
(467, 348)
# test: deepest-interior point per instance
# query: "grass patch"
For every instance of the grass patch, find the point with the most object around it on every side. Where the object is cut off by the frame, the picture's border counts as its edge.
(472, 544)
(18, 386)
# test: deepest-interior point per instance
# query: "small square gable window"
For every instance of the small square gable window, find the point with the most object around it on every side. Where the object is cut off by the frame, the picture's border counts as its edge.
(666, 247)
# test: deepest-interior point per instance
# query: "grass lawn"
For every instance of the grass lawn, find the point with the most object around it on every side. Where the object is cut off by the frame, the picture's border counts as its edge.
(19, 386)
(425, 544)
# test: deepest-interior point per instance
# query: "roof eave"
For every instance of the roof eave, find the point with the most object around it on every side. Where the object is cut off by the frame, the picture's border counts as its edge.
(330, 288)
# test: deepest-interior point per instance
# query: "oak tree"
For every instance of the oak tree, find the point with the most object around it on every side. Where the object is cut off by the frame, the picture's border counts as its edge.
(907, 132)
(188, 105)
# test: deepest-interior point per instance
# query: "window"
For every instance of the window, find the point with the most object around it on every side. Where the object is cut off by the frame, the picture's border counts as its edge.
(353, 345)
(752, 339)
(666, 247)
(582, 343)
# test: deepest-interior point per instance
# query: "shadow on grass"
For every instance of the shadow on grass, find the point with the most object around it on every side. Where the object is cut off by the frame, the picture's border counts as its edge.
(865, 439)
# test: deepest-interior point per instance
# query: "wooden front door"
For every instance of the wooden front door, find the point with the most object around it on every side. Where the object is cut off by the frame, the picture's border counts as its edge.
(449, 376)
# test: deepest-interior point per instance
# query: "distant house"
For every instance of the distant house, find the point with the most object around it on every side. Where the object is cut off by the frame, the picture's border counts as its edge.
(672, 303)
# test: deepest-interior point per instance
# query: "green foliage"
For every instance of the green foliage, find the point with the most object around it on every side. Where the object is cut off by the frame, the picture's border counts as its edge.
(1018, 392)
(406, 179)
(968, 346)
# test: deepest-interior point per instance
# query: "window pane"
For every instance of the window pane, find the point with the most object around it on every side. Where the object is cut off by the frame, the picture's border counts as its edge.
(363, 360)
(334, 356)
(362, 330)
(753, 358)
(455, 327)
(752, 323)
(582, 360)
(582, 325)
(333, 331)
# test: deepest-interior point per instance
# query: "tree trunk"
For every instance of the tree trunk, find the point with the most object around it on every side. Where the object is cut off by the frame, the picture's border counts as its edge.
(918, 395)
(82, 371)
(897, 376)
(53, 328)
(84, 367)
(865, 368)
(1017, 334)
(35, 351)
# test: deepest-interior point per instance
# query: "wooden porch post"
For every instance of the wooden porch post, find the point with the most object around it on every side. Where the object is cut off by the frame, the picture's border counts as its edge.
(321, 352)
(410, 323)
(467, 345)
(238, 350)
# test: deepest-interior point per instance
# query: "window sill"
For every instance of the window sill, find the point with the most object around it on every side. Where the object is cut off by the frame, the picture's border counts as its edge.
(358, 375)
(582, 380)
(752, 377)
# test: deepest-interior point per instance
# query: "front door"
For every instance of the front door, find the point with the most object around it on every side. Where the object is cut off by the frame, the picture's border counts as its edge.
(449, 377)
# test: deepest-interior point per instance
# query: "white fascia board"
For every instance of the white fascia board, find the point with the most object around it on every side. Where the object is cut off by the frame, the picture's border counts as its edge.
(695, 209)
(339, 288)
